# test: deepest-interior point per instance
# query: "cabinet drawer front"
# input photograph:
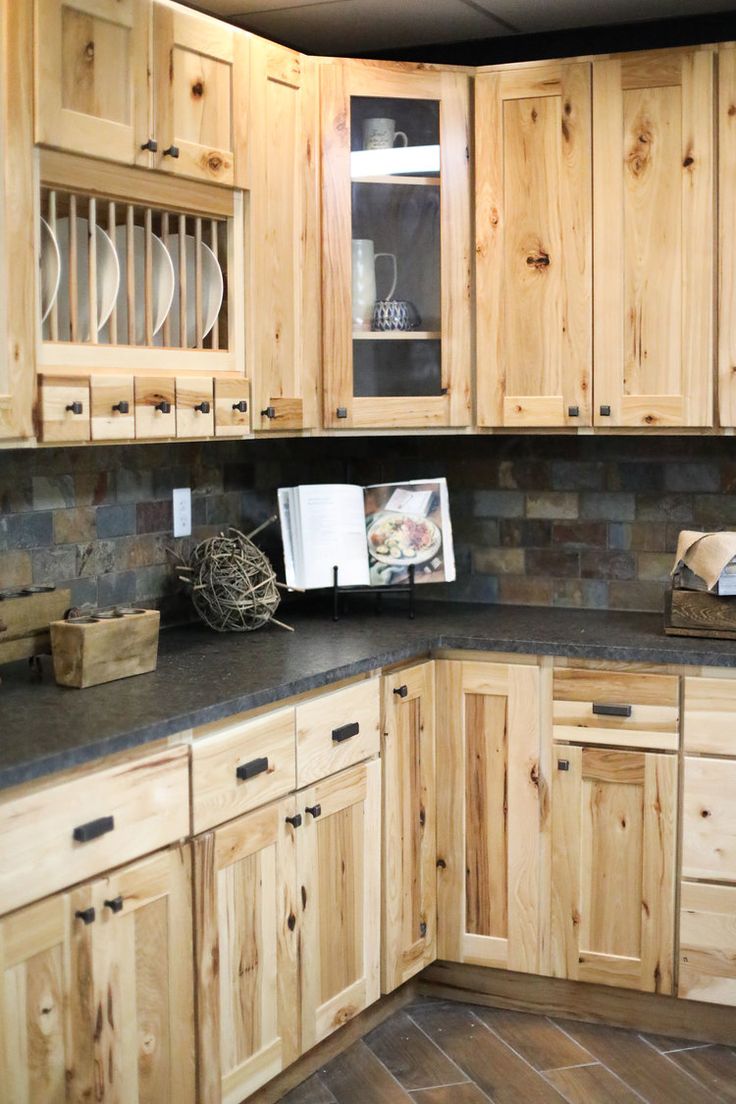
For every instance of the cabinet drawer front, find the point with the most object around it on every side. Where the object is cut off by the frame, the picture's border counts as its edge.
(112, 404)
(232, 408)
(709, 716)
(77, 829)
(708, 943)
(64, 408)
(155, 407)
(337, 730)
(195, 416)
(709, 819)
(243, 765)
(627, 710)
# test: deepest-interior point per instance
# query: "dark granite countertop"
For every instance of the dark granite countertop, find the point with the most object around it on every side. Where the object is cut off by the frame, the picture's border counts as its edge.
(203, 676)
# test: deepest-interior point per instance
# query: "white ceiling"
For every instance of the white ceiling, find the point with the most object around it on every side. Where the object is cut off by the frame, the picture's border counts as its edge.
(354, 26)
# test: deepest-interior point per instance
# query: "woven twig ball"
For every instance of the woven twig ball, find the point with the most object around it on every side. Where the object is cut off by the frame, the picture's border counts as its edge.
(233, 583)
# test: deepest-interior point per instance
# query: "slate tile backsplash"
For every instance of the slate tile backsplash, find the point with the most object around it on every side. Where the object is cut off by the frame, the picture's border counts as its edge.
(566, 521)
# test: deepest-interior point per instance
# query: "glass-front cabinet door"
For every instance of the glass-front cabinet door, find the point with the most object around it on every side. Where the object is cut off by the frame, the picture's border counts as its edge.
(396, 241)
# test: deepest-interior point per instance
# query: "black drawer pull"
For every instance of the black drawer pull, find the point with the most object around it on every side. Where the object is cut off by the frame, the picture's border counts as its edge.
(123, 407)
(563, 764)
(345, 732)
(163, 407)
(605, 411)
(115, 904)
(203, 407)
(269, 412)
(573, 411)
(611, 710)
(87, 915)
(251, 769)
(171, 151)
(75, 408)
(342, 412)
(295, 821)
(314, 810)
(94, 828)
(401, 691)
(241, 406)
(151, 145)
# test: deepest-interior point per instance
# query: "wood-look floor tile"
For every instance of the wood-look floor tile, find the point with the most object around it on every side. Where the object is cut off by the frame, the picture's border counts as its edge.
(535, 1038)
(665, 1043)
(714, 1066)
(494, 1067)
(467, 1093)
(357, 1077)
(591, 1085)
(312, 1091)
(639, 1065)
(409, 1055)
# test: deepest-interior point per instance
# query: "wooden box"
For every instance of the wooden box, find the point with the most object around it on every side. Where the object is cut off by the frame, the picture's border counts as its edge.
(25, 620)
(92, 650)
(699, 613)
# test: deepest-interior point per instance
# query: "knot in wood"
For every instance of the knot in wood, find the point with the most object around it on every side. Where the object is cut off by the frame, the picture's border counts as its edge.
(214, 163)
(198, 89)
(538, 260)
(688, 162)
(89, 51)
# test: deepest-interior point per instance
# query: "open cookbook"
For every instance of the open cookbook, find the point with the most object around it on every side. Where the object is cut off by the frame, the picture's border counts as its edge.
(372, 534)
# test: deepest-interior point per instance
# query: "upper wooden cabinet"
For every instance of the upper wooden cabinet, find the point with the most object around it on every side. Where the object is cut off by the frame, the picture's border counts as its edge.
(396, 246)
(534, 275)
(654, 248)
(144, 84)
(282, 243)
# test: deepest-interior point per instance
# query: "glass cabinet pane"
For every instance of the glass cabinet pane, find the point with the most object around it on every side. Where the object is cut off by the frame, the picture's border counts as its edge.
(395, 217)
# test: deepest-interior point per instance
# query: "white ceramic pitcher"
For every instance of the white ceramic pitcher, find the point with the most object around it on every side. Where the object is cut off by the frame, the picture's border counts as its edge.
(364, 281)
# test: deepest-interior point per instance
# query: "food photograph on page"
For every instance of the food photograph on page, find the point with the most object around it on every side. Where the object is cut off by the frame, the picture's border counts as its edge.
(405, 526)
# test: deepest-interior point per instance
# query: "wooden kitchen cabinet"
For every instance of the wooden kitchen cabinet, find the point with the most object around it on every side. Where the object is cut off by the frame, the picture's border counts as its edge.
(613, 866)
(534, 245)
(490, 811)
(727, 234)
(397, 220)
(283, 243)
(409, 929)
(247, 932)
(653, 234)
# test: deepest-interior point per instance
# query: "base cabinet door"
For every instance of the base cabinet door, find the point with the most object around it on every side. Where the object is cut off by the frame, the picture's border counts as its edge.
(613, 866)
(247, 943)
(409, 928)
(707, 943)
(339, 876)
(489, 812)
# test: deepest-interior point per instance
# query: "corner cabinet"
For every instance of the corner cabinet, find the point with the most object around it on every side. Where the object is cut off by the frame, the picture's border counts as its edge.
(396, 266)
(534, 246)
(654, 245)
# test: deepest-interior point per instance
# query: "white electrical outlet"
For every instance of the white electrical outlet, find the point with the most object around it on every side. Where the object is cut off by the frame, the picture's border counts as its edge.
(182, 511)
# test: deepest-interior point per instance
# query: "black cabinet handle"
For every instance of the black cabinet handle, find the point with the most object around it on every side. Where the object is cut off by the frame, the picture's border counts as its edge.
(87, 915)
(401, 691)
(241, 406)
(314, 810)
(203, 407)
(251, 769)
(611, 710)
(345, 732)
(295, 821)
(269, 412)
(342, 412)
(151, 145)
(163, 407)
(93, 829)
(115, 905)
(573, 411)
(171, 151)
(76, 408)
(123, 407)
(605, 411)
(563, 764)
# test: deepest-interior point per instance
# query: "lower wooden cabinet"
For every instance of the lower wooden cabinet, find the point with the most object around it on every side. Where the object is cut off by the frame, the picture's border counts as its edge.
(97, 1000)
(489, 814)
(409, 925)
(613, 866)
(707, 943)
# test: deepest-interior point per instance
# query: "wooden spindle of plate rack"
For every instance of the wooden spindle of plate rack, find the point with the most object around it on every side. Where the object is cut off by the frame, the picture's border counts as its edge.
(148, 277)
(73, 271)
(214, 235)
(130, 270)
(52, 221)
(167, 242)
(198, 321)
(112, 326)
(183, 282)
(92, 268)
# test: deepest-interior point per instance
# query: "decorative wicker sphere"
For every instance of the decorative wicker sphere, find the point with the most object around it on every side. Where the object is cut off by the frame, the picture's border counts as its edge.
(233, 583)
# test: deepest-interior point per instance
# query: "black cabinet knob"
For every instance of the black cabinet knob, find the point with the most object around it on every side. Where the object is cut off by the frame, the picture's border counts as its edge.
(401, 691)
(342, 412)
(251, 769)
(203, 407)
(345, 732)
(115, 905)
(241, 406)
(269, 412)
(151, 145)
(93, 829)
(171, 151)
(563, 764)
(573, 411)
(123, 407)
(87, 915)
(75, 408)
(605, 412)
(314, 810)
(295, 821)
(163, 407)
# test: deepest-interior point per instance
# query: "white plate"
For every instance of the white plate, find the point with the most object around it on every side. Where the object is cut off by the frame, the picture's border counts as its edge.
(212, 290)
(50, 266)
(382, 525)
(162, 283)
(108, 277)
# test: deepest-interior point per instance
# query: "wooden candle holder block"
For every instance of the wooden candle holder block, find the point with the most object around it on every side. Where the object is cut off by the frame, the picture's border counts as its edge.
(699, 613)
(90, 651)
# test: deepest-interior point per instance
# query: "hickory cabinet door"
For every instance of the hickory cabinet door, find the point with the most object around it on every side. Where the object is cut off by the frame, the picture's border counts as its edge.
(247, 944)
(93, 60)
(534, 246)
(489, 812)
(339, 876)
(284, 318)
(653, 202)
(409, 825)
(613, 866)
(727, 234)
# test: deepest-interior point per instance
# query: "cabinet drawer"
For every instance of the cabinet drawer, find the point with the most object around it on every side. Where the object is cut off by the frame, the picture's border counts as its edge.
(337, 730)
(240, 766)
(232, 407)
(64, 408)
(113, 408)
(710, 713)
(709, 819)
(195, 416)
(708, 943)
(62, 834)
(155, 407)
(606, 707)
